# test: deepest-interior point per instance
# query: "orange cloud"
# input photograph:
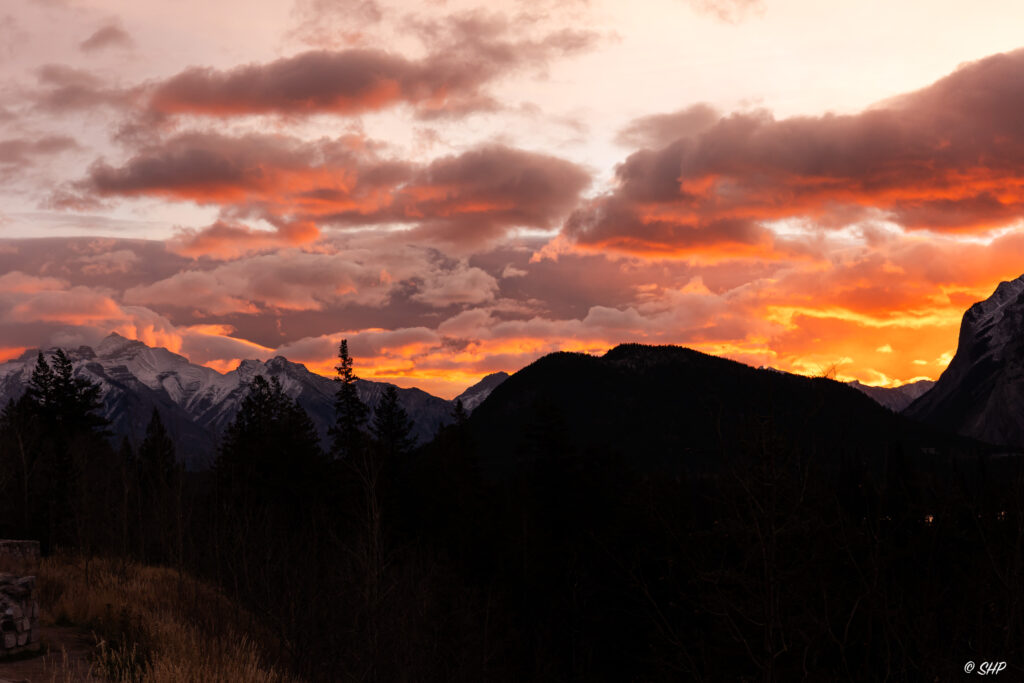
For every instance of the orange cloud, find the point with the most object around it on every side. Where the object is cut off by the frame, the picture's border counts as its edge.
(947, 158)
(297, 186)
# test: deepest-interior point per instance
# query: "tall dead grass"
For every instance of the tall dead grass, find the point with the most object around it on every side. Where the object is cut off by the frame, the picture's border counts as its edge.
(154, 624)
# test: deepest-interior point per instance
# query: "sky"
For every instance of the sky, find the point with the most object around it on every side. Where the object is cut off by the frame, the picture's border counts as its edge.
(458, 188)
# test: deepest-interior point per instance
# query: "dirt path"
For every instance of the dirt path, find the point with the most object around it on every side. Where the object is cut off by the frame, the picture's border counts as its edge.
(66, 660)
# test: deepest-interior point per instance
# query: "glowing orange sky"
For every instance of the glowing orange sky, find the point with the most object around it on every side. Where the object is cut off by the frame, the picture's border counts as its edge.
(460, 188)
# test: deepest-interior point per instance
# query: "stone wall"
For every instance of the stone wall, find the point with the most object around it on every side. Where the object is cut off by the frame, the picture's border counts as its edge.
(19, 615)
(23, 551)
(19, 610)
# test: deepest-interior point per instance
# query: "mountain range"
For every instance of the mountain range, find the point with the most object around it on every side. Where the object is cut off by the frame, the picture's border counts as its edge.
(196, 403)
(980, 395)
(895, 399)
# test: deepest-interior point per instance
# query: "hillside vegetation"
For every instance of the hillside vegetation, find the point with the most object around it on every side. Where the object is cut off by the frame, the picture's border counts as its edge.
(653, 515)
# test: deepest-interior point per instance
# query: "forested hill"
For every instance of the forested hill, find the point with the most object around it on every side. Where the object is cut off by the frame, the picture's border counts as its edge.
(674, 407)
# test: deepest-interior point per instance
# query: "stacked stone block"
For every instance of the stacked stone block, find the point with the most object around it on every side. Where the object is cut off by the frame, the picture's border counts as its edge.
(19, 615)
(19, 610)
(19, 551)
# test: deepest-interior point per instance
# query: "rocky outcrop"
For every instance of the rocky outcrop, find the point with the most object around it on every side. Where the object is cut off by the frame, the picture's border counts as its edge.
(981, 393)
(476, 394)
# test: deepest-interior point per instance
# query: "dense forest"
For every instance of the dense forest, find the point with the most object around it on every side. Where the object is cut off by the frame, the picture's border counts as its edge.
(655, 515)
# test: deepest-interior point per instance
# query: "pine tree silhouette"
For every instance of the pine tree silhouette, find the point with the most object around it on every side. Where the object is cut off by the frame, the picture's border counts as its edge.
(459, 414)
(157, 458)
(391, 426)
(270, 450)
(347, 434)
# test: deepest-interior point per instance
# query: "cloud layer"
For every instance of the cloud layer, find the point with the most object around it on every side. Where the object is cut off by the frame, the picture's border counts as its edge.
(432, 183)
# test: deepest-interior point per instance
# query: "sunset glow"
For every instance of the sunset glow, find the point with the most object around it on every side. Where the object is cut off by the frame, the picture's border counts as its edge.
(460, 189)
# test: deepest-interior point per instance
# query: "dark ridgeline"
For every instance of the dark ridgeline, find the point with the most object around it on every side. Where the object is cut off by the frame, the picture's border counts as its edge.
(655, 514)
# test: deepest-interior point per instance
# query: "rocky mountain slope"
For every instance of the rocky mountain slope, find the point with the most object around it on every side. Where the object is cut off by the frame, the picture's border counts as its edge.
(981, 393)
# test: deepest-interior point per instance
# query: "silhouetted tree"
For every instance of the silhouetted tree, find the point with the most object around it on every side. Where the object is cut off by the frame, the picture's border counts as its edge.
(157, 459)
(273, 489)
(350, 413)
(40, 385)
(157, 486)
(392, 426)
(76, 401)
(459, 414)
(271, 447)
(72, 460)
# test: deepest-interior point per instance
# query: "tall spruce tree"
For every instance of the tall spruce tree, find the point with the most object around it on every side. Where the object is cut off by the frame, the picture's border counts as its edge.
(350, 413)
(459, 414)
(76, 400)
(270, 450)
(40, 386)
(157, 481)
(68, 458)
(157, 458)
(391, 426)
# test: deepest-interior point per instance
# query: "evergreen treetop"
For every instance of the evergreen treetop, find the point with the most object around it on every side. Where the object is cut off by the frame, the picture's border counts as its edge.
(347, 433)
(391, 425)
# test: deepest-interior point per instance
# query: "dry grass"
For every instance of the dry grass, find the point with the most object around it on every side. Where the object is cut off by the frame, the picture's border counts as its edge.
(152, 624)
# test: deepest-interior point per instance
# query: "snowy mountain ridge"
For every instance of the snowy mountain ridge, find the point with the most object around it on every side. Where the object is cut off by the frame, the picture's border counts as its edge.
(197, 403)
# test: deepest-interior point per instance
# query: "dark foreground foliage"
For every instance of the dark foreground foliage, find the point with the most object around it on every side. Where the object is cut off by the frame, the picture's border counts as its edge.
(654, 515)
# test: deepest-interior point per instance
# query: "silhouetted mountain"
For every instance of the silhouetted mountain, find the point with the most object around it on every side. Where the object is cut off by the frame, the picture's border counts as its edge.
(981, 393)
(685, 406)
(196, 402)
(637, 512)
(895, 399)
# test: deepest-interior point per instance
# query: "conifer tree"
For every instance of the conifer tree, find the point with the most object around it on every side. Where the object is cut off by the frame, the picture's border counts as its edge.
(459, 414)
(271, 448)
(347, 435)
(391, 426)
(157, 473)
(69, 452)
(40, 386)
(157, 458)
(76, 401)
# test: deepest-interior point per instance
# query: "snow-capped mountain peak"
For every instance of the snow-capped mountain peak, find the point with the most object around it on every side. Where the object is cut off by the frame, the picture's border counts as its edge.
(197, 402)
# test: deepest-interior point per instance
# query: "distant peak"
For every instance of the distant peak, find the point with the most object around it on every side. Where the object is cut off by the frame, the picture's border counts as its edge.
(115, 345)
